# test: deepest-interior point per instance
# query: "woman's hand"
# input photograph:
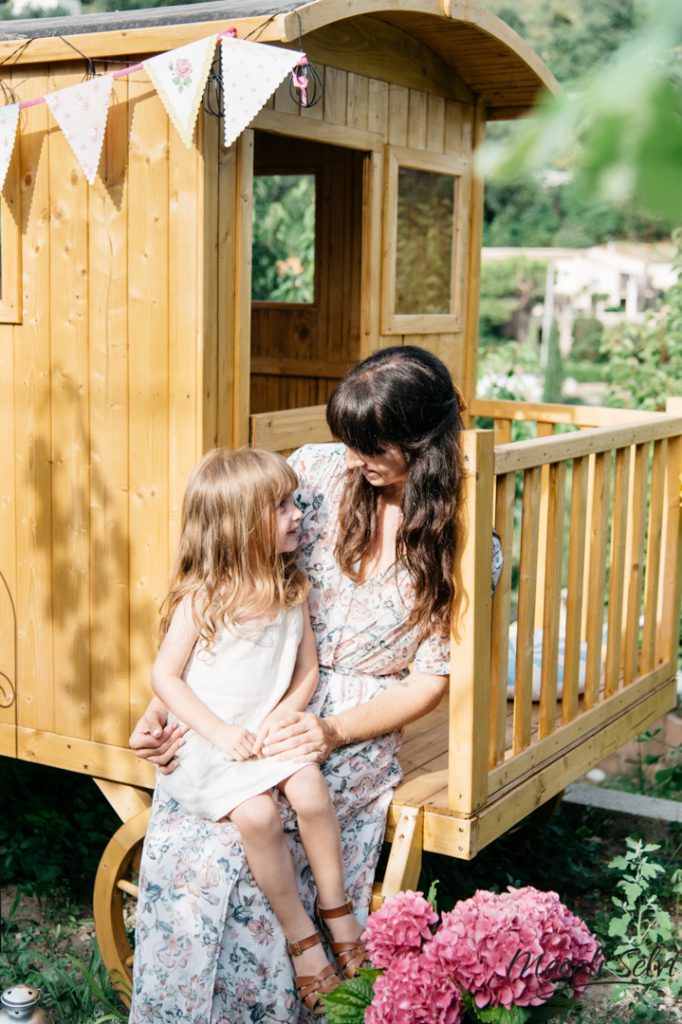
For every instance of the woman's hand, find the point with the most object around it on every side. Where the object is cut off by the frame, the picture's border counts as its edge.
(301, 736)
(154, 740)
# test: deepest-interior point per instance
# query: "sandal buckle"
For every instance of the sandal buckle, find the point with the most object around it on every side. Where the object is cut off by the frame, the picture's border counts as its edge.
(294, 948)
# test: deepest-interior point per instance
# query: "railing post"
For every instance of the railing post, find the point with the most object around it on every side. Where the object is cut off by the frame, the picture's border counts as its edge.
(668, 631)
(470, 656)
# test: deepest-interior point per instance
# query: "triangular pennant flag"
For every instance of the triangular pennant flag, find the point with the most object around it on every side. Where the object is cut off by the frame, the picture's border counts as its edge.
(179, 76)
(81, 113)
(251, 72)
(9, 119)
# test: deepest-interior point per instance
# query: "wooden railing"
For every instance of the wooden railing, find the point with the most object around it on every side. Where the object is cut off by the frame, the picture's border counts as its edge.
(590, 530)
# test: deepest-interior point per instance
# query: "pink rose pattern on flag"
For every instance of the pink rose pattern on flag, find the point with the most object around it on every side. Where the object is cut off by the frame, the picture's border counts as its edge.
(179, 76)
(251, 72)
(81, 112)
(9, 119)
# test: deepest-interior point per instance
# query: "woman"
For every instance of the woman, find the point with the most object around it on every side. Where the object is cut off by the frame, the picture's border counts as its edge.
(381, 531)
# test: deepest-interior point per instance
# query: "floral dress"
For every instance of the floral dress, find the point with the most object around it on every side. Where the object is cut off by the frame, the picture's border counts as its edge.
(209, 949)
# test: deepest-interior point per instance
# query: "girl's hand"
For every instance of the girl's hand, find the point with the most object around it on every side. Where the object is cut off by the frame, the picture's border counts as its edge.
(154, 740)
(238, 743)
(302, 736)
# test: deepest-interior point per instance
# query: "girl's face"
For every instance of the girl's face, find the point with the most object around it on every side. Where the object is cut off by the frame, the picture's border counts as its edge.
(387, 469)
(288, 520)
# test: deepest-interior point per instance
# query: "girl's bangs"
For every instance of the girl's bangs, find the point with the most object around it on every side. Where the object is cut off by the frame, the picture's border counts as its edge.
(352, 418)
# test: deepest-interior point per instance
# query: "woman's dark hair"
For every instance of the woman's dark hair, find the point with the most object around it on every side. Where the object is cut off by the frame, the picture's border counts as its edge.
(405, 396)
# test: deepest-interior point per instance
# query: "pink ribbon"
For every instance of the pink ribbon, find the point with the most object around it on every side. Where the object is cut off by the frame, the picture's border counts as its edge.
(301, 81)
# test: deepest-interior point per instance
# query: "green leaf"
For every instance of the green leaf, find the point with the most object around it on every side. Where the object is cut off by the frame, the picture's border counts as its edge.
(618, 926)
(496, 1014)
(632, 891)
(432, 894)
(348, 1002)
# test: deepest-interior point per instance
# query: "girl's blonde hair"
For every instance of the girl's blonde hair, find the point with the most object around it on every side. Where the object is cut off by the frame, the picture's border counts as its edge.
(227, 557)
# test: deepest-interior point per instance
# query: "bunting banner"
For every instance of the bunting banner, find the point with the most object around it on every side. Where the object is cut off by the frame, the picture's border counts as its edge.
(250, 73)
(81, 113)
(179, 76)
(9, 119)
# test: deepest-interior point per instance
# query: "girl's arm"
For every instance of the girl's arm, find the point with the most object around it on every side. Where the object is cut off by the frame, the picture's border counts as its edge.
(305, 735)
(169, 686)
(303, 682)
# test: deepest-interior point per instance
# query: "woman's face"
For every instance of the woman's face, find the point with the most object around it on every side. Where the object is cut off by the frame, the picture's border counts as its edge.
(387, 469)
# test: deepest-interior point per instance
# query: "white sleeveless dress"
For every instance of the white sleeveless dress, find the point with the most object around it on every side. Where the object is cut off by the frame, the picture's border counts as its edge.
(241, 678)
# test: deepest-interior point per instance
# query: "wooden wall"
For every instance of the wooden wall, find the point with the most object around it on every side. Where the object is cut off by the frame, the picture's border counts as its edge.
(99, 393)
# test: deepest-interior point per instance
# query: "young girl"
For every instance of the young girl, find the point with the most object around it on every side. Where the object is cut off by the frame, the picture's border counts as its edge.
(237, 655)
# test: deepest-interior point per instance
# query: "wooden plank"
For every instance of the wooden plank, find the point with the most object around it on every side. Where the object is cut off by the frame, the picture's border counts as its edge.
(282, 431)
(668, 635)
(103, 760)
(242, 307)
(542, 429)
(8, 540)
(357, 102)
(417, 119)
(185, 324)
(70, 428)
(523, 675)
(148, 378)
(370, 294)
(503, 431)
(8, 739)
(127, 801)
(454, 125)
(225, 161)
(501, 608)
(435, 124)
(405, 859)
(335, 92)
(320, 131)
(398, 107)
(525, 454)
(653, 555)
(284, 101)
(109, 481)
(554, 544)
(285, 367)
(619, 513)
(377, 120)
(11, 309)
(470, 654)
(634, 568)
(33, 425)
(209, 407)
(579, 415)
(471, 265)
(574, 588)
(597, 579)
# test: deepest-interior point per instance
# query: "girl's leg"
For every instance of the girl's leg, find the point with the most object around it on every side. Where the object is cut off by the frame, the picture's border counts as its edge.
(318, 825)
(267, 853)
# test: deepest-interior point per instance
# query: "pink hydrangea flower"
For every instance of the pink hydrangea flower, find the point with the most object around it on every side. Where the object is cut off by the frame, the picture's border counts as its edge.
(514, 948)
(414, 990)
(399, 928)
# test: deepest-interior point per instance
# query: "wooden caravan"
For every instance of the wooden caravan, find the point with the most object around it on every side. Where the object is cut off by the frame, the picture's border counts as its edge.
(132, 339)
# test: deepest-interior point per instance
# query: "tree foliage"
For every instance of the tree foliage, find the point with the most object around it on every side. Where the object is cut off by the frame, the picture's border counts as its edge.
(645, 360)
(284, 238)
(509, 290)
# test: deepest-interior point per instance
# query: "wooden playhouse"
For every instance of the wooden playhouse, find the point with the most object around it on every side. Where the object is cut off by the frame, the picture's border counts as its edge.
(130, 342)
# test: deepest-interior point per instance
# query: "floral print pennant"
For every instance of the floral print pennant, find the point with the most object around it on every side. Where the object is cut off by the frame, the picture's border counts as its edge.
(81, 113)
(9, 119)
(251, 72)
(179, 76)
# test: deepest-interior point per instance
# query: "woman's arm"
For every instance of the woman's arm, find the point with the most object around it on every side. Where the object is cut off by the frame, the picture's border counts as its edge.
(397, 706)
(169, 686)
(303, 682)
(155, 740)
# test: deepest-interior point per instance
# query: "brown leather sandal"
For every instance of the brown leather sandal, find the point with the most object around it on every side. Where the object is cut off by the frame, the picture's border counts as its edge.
(348, 955)
(311, 987)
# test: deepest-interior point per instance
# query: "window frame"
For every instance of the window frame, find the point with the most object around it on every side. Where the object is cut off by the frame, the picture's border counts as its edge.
(10, 244)
(458, 167)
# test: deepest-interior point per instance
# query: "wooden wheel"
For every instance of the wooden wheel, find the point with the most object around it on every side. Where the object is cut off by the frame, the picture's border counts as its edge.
(115, 888)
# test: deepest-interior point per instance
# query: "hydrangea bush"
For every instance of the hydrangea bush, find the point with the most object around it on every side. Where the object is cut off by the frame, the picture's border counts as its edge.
(492, 958)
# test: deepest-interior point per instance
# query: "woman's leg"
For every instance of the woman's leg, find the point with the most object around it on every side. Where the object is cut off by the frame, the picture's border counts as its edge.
(267, 853)
(309, 795)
